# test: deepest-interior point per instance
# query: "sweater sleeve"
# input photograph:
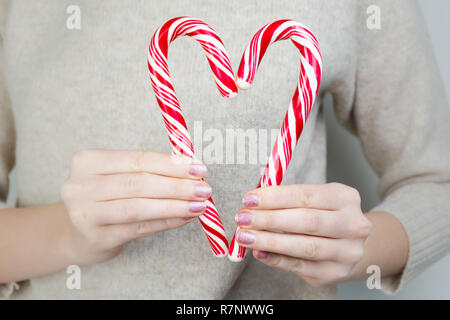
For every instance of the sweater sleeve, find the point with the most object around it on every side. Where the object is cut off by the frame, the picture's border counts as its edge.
(7, 140)
(396, 105)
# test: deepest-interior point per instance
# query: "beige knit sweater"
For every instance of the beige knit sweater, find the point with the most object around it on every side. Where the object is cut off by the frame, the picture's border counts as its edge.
(63, 90)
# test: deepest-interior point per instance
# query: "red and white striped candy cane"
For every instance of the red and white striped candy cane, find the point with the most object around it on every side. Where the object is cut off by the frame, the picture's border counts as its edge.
(301, 103)
(170, 106)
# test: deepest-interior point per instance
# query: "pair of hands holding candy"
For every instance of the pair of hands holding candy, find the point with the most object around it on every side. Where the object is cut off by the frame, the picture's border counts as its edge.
(113, 197)
(139, 194)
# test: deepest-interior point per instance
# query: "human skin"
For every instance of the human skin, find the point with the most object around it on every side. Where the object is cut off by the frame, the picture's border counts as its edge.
(112, 197)
(325, 238)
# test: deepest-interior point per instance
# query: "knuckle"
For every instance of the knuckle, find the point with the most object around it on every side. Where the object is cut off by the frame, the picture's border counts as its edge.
(351, 194)
(264, 194)
(131, 211)
(276, 261)
(297, 266)
(141, 228)
(305, 195)
(312, 223)
(131, 183)
(354, 195)
(138, 162)
(80, 158)
(366, 227)
(310, 249)
(347, 192)
(362, 228)
(172, 224)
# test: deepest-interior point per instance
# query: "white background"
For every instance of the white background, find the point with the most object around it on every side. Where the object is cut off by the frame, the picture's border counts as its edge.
(348, 165)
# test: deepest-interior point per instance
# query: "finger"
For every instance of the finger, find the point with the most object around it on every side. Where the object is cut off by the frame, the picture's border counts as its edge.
(144, 185)
(316, 222)
(126, 232)
(297, 246)
(331, 196)
(141, 209)
(87, 162)
(304, 268)
(317, 273)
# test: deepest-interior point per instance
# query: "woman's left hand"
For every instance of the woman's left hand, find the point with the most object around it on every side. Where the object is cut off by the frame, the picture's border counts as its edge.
(323, 230)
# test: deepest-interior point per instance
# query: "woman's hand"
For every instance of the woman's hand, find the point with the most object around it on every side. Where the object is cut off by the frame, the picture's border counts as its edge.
(115, 196)
(323, 230)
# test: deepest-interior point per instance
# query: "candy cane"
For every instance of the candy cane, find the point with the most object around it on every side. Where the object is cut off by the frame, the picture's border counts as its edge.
(301, 103)
(170, 106)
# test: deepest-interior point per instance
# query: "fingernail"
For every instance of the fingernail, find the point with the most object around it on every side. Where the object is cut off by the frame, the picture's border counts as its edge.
(197, 169)
(246, 237)
(250, 200)
(243, 218)
(202, 190)
(197, 206)
(189, 218)
(262, 254)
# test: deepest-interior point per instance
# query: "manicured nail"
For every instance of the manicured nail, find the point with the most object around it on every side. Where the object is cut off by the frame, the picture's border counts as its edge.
(197, 169)
(189, 218)
(243, 218)
(202, 190)
(262, 254)
(250, 200)
(246, 237)
(197, 206)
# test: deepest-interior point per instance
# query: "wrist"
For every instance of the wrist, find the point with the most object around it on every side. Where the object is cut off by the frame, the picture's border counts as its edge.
(68, 244)
(386, 247)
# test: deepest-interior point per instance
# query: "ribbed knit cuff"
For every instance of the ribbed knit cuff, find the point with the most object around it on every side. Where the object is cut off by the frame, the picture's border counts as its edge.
(423, 210)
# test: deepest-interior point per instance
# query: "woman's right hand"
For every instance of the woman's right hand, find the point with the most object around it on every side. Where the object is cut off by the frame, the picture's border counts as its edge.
(113, 197)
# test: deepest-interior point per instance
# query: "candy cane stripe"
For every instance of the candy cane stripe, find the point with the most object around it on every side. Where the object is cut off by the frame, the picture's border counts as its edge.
(170, 106)
(301, 102)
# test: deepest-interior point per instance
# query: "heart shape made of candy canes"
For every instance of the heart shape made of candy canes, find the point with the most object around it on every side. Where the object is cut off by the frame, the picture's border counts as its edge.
(295, 118)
